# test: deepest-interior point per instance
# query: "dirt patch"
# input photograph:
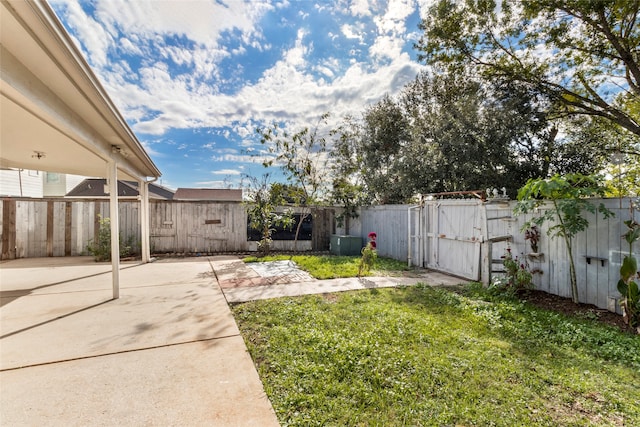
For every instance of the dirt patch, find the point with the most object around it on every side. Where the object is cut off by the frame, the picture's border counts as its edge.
(566, 306)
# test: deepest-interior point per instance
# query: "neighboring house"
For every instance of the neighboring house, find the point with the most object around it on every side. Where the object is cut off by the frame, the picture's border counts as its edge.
(37, 184)
(94, 188)
(59, 184)
(208, 194)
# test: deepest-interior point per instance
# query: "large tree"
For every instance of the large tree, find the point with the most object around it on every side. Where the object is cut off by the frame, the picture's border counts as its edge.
(443, 132)
(584, 55)
(464, 134)
(385, 134)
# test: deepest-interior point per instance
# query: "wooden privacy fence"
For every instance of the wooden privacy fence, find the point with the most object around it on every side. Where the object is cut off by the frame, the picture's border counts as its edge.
(467, 238)
(62, 227)
(461, 237)
(57, 227)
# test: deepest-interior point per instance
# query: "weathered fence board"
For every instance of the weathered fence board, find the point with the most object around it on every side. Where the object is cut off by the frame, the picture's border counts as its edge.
(454, 231)
(324, 226)
(598, 251)
(42, 227)
(390, 223)
(197, 227)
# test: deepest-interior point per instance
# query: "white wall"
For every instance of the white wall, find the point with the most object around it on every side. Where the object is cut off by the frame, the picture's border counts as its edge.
(37, 184)
(20, 183)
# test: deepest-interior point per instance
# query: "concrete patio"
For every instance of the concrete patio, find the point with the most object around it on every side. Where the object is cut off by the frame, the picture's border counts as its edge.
(168, 352)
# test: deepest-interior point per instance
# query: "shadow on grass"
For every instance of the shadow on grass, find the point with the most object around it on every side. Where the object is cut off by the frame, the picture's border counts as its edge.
(535, 333)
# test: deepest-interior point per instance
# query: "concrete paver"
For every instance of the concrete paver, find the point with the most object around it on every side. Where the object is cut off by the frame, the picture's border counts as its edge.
(282, 280)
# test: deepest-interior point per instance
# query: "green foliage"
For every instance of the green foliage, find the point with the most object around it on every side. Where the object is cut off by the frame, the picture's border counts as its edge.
(627, 286)
(346, 185)
(302, 158)
(261, 209)
(569, 197)
(100, 247)
(333, 267)
(346, 194)
(427, 356)
(384, 134)
(517, 275)
(367, 260)
(625, 178)
(446, 132)
(592, 47)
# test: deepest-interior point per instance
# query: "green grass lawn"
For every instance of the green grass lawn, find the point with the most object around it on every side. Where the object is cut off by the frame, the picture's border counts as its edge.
(421, 356)
(333, 267)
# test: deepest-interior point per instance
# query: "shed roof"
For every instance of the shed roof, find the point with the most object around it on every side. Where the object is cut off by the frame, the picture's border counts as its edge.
(213, 194)
(94, 188)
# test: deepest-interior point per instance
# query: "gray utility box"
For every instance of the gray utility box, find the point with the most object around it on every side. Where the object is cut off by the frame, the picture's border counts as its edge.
(345, 245)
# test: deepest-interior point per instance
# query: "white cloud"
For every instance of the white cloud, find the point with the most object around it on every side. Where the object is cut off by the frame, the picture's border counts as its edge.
(296, 55)
(213, 184)
(424, 6)
(129, 47)
(296, 89)
(360, 8)
(226, 172)
(93, 35)
(391, 29)
(226, 150)
(352, 32)
(240, 158)
(203, 21)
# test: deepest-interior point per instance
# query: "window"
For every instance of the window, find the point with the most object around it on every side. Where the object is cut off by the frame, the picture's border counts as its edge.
(52, 178)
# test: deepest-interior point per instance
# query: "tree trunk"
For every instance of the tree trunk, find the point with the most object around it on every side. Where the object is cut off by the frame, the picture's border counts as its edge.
(572, 272)
(303, 216)
(572, 266)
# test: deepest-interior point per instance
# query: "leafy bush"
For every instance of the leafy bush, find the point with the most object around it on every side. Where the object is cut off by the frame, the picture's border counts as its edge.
(568, 196)
(368, 260)
(100, 247)
(517, 276)
(627, 286)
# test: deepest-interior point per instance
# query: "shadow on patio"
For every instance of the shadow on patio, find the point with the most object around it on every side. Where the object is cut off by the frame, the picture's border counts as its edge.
(168, 350)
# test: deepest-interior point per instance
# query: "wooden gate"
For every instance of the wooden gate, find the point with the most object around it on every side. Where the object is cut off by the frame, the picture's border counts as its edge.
(454, 231)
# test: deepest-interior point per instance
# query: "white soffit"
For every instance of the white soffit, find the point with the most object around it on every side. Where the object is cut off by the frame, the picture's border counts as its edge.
(51, 102)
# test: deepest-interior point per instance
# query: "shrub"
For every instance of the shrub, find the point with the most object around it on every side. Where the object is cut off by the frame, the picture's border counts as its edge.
(517, 276)
(627, 286)
(100, 247)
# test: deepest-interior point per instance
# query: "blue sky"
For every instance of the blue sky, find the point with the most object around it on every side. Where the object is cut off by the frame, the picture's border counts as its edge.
(194, 78)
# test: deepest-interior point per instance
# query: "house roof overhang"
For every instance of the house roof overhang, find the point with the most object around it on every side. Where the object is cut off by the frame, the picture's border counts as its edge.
(55, 114)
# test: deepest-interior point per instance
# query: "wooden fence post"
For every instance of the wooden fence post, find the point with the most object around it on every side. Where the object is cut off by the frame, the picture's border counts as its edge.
(8, 229)
(67, 228)
(50, 228)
